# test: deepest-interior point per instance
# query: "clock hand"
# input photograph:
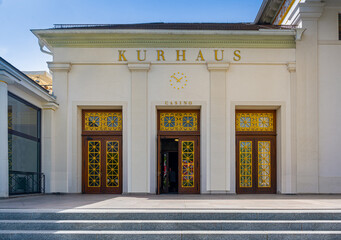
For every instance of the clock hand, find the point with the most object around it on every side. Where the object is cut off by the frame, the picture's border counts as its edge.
(174, 77)
(179, 79)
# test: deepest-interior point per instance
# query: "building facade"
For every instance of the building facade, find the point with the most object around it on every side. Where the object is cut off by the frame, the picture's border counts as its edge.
(24, 131)
(197, 108)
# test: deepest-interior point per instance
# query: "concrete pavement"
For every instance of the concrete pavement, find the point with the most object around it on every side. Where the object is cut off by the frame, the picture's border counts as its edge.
(232, 202)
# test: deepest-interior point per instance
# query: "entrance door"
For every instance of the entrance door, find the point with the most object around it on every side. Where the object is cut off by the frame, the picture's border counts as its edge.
(179, 165)
(188, 165)
(102, 151)
(102, 164)
(256, 164)
(255, 151)
(178, 169)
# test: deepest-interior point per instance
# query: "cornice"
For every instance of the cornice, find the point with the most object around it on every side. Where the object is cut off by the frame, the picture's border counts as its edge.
(310, 10)
(136, 66)
(7, 77)
(291, 67)
(59, 66)
(221, 66)
(264, 39)
(50, 106)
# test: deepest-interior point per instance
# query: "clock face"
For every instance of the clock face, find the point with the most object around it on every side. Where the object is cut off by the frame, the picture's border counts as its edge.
(178, 80)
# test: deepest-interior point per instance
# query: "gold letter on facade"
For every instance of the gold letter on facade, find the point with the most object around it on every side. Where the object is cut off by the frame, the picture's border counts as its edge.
(182, 55)
(237, 56)
(216, 55)
(121, 55)
(160, 54)
(139, 57)
(200, 56)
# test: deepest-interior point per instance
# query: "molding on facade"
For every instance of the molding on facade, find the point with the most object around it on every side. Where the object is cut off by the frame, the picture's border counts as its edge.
(307, 11)
(136, 66)
(291, 66)
(299, 33)
(7, 77)
(269, 38)
(59, 66)
(311, 10)
(50, 106)
(218, 66)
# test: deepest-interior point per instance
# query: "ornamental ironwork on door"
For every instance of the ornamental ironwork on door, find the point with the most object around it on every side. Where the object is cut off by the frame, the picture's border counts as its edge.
(102, 151)
(255, 152)
(179, 121)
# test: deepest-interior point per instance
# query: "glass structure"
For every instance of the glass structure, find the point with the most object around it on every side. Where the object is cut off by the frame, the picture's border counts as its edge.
(24, 146)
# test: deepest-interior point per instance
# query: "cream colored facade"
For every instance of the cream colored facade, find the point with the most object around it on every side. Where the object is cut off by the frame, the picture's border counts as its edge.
(141, 88)
(293, 71)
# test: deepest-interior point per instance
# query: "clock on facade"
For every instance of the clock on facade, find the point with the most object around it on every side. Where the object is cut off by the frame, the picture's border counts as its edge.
(178, 80)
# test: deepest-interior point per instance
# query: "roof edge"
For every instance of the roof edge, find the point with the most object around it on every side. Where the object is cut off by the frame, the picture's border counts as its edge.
(23, 77)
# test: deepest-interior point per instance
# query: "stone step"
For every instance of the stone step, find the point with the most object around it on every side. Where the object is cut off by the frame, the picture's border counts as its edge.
(22, 214)
(172, 225)
(169, 235)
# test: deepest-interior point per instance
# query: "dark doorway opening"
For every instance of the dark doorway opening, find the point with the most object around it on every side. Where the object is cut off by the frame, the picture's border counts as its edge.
(169, 165)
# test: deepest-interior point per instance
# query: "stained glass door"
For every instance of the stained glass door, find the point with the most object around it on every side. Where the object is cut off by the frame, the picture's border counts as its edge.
(188, 165)
(102, 165)
(256, 164)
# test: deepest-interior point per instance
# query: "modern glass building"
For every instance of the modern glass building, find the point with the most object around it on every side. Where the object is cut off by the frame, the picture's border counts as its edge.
(22, 112)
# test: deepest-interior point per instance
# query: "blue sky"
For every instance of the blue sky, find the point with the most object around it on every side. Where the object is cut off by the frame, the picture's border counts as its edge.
(19, 46)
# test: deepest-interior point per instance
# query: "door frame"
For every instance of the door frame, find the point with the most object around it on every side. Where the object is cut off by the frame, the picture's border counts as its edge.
(176, 134)
(103, 135)
(259, 135)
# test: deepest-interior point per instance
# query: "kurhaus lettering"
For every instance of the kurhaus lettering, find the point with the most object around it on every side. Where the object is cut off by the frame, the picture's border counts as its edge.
(141, 55)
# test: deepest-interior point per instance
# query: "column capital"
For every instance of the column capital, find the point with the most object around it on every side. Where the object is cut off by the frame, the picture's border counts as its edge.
(59, 66)
(215, 66)
(50, 106)
(138, 66)
(6, 77)
(311, 10)
(291, 67)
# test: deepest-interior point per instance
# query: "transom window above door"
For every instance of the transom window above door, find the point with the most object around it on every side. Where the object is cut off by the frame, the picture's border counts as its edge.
(179, 121)
(253, 121)
(103, 121)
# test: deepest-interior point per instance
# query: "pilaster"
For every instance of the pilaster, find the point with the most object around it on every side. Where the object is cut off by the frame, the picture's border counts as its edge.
(48, 143)
(307, 98)
(139, 165)
(292, 168)
(3, 138)
(219, 174)
(61, 162)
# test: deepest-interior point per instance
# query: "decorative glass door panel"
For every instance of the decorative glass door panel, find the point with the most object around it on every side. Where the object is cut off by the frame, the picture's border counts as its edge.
(264, 164)
(245, 163)
(102, 161)
(188, 165)
(256, 164)
(94, 164)
(112, 164)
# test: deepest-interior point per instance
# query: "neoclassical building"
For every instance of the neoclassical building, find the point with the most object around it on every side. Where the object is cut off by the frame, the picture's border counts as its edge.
(201, 108)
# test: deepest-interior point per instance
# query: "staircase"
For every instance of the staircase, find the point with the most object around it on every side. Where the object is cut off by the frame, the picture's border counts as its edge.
(21, 224)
